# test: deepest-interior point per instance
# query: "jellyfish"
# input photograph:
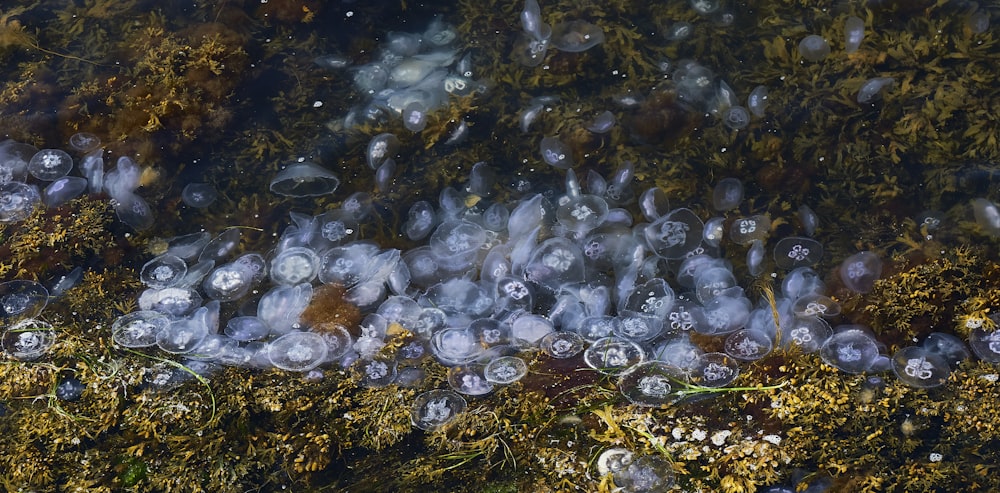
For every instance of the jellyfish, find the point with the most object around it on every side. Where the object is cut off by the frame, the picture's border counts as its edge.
(529, 329)
(556, 153)
(247, 328)
(14, 157)
(69, 389)
(505, 370)
(163, 271)
(576, 36)
(17, 201)
(873, 87)
(794, 252)
(562, 345)
(735, 117)
(648, 473)
(174, 302)
(757, 101)
(455, 346)
(138, 329)
(294, 265)
(918, 367)
(28, 339)
(613, 354)
(850, 349)
(714, 370)
(49, 164)
(748, 345)
(228, 282)
(648, 384)
(854, 33)
(727, 194)
(281, 307)
(199, 195)
(62, 190)
(377, 372)
(297, 351)
(304, 179)
(184, 335)
(745, 230)
(814, 48)
(860, 271)
(675, 234)
(436, 408)
(22, 298)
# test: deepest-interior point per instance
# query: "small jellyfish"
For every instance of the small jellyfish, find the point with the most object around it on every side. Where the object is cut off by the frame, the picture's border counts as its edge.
(714, 370)
(679, 31)
(531, 21)
(529, 329)
(49, 164)
(455, 346)
(459, 239)
(370, 78)
(712, 281)
(436, 408)
(648, 384)
(755, 258)
(184, 335)
(28, 339)
(675, 234)
(281, 307)
(613, 354)
(63, 190)
(294, 265)
(918, 367)
(163, 271)
(377, 372)
(469, 380)
(482, 179)
(221, 246)
(382, 146)
(946, 346)
(582, 213)
(873, 87)
(854, 33)
(245, 329)
(705, 7)
(815, 305)
(134, 211)
(809, 220)
(174, 302)
(745, 230)
(987, 216)
(17, 201)
(84, 141)
(199, 195)
(736, 117)
(92, 168)
(576, 36)
(727, 194)
(654, 203)
(555, 262)
(646, 474)
(860, 271)
(757, 101)
(985, 343)
(22, 298)
(562, 345)
(850, 349)
(304, 179)
(297, 351)
(748, 345)
(415, 116)
(69, 389)
(421, 220)
(556, 153)
(602, 123)
(505, 370)
(814, 48)
(138, 329)
(794, 252)
(807, 334)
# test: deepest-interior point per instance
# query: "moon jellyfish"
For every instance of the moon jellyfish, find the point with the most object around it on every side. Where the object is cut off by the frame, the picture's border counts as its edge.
(469, 380)
(860, 271)
(613, 354)
(455, 346)
(69, 389)
(850, 350)
(84, 141)
(228, 282)
(873, 87)
(562, 345)
(808, 334)
(582, 213)
(714, 370)
(854, 33)
(987, 216)
(304, 179)
(727, 194)
(986, 344)
(92, 168)
(918, 367)
(793, 252)
(556, 153)
(17, 201)
(602, 123)
(576, 36)
(14, 157)
(946, 346)
(184, 335)
(377, 372)
(49, 164)
(338, 340)
(705, 7)
(556, 262)
(199, 195)
(436, 408)
(648, 384)
(221, 246)
(245, 329)
(380, 148)
(174, 302)
(505, 370)
(28, 339)
(415, 116)
(421, 220)
(675, 234)
(63, 190)
(529, 329)
(712, 281)
(735, 117)
(654, 203)
(748, 345)
(297, 351)
(294, 265)
(745, 230)
(281, 307)
(721, 315)
(814, 48)
(138, 329)
(163, 271)
(531, 21)
(646, 474)
(132, 210)
(21, 298)
(757, 101)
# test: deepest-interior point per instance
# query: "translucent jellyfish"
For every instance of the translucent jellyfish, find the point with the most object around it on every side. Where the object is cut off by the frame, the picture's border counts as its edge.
(757, 101)
(69, 389)
(455, 346)
(602, 123)
(514, 294)
(22, 298)
(613, 461)
(648, 383)
(122, 181)
(755, 258)
(582, 213)
(745, 230)
(529, 329)
(415, 117)
(184, 335)
(134, 211)
(384, 175)
(714, 370)
(304, 179)
(705, 7)
(281, 307)
(713, 281)
(985, 343)
(736, 117)
(401, 310)
(84, 141)
(92, 168)
(860, 271)
(138, 329)
(814, 48)
(338, 340)
(457, 240)
(815, 304)
(562, 345)
(63, 190)
(849, 349)
(679, 352)
(795, 251)
(650, 473)
(555, 262)
(639, 328)
(163, 271)
(199, 195)
(800, 282)
(436, 408)
(654, 203)
(17, 201)
(482, 179)
(246, 329)
(49, 164)
(459, 296)
(556, 153)
(873, 87)
(346, 265)
(495, 217)
(377, 372)
(727, 194)
(918, 367)
(613, 354)
(531, 21)
(294, 265)
(679, 31)
(174, 302)
(28, 339)
(721, 315)
(675, 234)
(854, 33)
(748, 345)
(297, 351)
(654, 299)
(380, 148)
(228, 282)
(421, 221)
(987, 216)
(469, 380)
(505, 370)
(576, 36)
(948, 347)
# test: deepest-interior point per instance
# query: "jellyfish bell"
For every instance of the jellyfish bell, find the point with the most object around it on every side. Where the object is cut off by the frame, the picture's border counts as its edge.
(377, 372)
(562, 345)
(28, 339)
(297, 351)
(138, 329)
(794, 252)
(469, 380)
(920, 368)
(199, 195)
(228, 282)
(556, 153)
(84, 141)
(947, 346)
(648, 384)
(49, 164)
(22, 299)
(714, 370)
(246, 328)
(436, 408)
(505, 370)
(814, 48)
(17, 201)
(304, 179)
(294, 265)
(612, 355)
(860, 271)
(850, 350)
(674, 234)
(163, 271)
(576, 36)
(62, 190)
(646, 474)
(748, 345)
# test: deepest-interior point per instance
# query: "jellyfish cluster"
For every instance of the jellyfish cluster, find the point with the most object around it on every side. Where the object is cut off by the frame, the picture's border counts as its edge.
(572, 36)
(19, 195)
(26, 337)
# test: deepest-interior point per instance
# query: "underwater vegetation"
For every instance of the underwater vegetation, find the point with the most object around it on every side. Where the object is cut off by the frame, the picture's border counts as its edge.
(503, 246)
